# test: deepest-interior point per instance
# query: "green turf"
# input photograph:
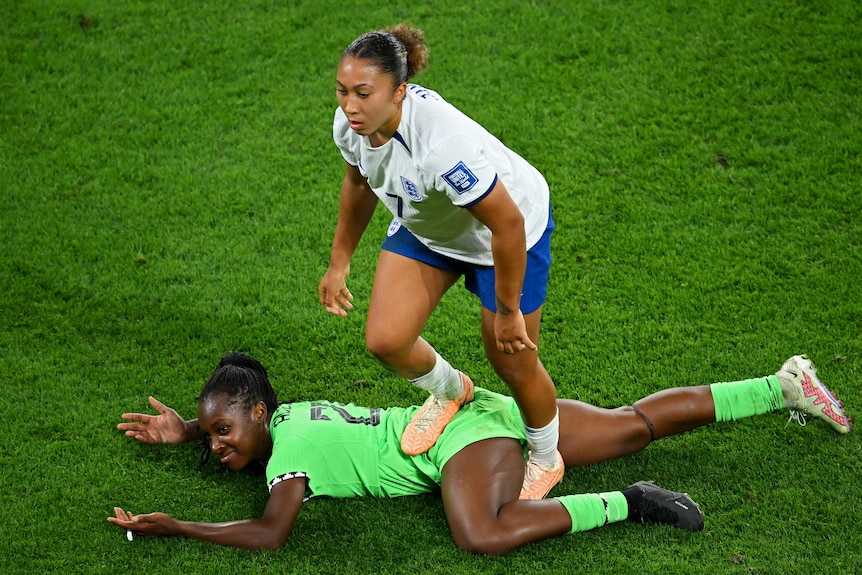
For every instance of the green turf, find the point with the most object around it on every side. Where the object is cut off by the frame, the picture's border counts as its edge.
(169, 192)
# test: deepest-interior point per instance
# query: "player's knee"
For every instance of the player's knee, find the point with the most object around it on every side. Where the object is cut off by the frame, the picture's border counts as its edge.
(384, 347)
(481, 542)
(515, 369)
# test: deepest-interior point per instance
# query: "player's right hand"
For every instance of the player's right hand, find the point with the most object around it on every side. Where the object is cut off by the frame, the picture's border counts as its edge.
(167, 427)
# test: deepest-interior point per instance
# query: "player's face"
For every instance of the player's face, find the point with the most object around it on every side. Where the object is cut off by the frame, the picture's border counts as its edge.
(368, 97)
(238, 436)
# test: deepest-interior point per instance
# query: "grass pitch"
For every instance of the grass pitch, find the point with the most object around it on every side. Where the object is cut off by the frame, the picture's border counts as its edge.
(169, 193)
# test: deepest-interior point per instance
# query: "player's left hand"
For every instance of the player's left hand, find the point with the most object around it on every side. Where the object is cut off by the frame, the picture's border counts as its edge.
(511, 333)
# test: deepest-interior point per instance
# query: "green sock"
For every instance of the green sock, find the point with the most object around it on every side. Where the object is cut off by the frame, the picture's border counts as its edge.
(590, 510)
(737, 399)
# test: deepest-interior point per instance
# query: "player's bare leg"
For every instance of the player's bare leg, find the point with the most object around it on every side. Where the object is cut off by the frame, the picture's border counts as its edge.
(480, 487)
(405, 294)
(590, 434)
(536, 395)
(481, 484)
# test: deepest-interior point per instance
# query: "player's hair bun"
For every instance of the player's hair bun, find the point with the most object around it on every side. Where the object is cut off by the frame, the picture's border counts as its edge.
(414, 43)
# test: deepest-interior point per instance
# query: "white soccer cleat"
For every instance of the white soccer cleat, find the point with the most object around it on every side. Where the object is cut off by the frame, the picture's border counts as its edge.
(804, 393)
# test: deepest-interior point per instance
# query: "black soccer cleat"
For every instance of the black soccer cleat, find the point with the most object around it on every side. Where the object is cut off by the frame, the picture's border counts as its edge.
(665, 507)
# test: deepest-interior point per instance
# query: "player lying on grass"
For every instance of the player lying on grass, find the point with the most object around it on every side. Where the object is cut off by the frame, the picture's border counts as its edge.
(320, 448)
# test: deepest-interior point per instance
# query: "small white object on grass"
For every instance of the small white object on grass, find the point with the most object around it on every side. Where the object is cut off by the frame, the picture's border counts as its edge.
(129, 535)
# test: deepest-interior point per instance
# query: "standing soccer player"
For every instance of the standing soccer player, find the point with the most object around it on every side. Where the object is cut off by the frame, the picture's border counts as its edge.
(463, 204)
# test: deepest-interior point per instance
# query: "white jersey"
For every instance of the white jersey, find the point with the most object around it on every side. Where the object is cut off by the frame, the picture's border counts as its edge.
(438, 163)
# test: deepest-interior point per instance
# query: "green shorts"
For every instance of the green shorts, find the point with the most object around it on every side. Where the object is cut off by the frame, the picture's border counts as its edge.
(489, 415)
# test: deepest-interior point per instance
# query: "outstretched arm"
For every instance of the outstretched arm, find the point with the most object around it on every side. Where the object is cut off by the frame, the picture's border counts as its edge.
(167, 427)
(270, 531)
(355, 211)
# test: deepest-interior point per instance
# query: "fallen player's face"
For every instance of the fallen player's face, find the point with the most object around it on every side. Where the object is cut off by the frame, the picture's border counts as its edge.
(237, 434)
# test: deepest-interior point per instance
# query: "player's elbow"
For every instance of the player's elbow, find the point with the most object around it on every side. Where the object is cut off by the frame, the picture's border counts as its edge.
(510, 225)
(271, 546)
(271, 542)
(266, 538)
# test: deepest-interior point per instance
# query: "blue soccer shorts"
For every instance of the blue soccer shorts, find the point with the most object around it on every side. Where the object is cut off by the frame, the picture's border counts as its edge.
(480, 280)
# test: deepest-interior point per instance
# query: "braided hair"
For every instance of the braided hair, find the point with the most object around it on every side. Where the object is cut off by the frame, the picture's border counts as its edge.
(244, 381)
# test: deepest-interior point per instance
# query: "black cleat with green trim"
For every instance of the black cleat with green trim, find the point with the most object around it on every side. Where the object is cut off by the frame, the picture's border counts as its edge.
(656, 505)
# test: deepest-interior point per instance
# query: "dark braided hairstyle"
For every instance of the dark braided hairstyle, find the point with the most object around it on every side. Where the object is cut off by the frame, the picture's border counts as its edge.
(399, 51)
(244, 380)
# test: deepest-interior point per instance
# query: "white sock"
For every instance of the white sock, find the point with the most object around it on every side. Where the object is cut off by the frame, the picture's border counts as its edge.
(443, 380)
(543, 441)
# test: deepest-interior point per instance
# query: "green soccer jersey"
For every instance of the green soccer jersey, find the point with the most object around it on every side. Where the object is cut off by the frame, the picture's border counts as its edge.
(344, 450)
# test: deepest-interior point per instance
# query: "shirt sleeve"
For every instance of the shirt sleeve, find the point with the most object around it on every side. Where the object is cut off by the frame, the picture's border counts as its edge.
(461, 169)
(292, 458)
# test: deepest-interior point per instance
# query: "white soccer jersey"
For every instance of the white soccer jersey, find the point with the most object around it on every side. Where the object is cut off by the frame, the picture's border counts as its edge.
(438, 163)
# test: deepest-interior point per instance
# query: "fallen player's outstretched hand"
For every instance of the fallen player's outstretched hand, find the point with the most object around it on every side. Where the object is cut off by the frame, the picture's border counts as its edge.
(167, 427)
(149, 524)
